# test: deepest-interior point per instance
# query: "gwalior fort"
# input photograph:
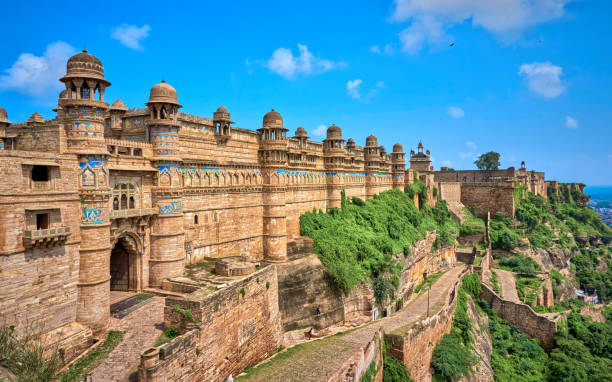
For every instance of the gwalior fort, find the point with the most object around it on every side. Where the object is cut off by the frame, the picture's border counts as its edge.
(199, 246)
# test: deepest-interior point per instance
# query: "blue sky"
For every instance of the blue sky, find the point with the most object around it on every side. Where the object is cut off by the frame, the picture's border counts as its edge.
(530, 80)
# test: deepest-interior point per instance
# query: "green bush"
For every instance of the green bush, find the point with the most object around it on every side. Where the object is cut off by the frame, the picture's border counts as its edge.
(394, 370)
(451, 359)
(502, 237)
(520, 264)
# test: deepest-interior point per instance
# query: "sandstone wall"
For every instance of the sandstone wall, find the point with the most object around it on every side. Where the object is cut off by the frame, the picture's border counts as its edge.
(232, 331)
(536, 325)
(355, 367)
(414, 345)
(487, 197)
(450, 191)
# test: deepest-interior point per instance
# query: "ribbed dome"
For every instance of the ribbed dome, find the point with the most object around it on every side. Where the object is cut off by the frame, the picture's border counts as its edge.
(272, 119)
(36, 118)
(371, 141)
(118, 105)
(398, 148)
(84, 65)
(221, 114)
(334, 132)
(163, 93)
(3, 116)
(301, 132)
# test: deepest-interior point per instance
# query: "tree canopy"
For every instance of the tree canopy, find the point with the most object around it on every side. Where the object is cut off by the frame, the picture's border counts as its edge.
(488, 161)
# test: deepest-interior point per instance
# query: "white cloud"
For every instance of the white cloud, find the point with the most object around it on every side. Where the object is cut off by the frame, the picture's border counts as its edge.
(284, 63)
(543, 78)
(352, 88)
(571, 123)
(131, 35)
(455, 112)
(320, 131)
(470, 145)
(38, 76)
(504, 18)
(387, 49)
(446, 163)
(465, 155)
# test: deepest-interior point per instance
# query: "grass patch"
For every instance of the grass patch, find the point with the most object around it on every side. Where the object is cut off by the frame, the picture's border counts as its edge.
(145, 296)
(428, 282)
(495, 282)
(93, 358)
(527, 289)
(166, 336)
(477, 260)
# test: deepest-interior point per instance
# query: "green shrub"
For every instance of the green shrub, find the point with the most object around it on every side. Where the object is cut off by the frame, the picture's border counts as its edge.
(451, 359)
(394, 370)
(502, 237)
(520, 264)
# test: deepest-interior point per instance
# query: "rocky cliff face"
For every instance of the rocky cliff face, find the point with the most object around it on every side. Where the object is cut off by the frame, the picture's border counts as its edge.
(482, 372)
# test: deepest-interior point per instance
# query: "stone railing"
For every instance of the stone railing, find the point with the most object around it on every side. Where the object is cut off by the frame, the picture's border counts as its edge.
(127, 143)
(48, 236)
(118, 214)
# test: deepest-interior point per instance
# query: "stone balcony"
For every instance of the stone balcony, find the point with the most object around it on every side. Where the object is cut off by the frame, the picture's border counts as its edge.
(45, 237)
(134, 212)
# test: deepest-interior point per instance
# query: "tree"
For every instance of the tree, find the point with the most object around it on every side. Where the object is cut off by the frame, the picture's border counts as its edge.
(488, 161)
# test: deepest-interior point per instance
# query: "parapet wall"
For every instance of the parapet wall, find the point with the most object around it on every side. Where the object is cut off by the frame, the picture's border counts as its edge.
(414, 345)
(528, 321)
(234, 327)
(355, 367)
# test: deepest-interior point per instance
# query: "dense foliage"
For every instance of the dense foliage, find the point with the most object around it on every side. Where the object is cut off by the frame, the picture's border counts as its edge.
(520, 264)
(394, 370)
(589, 277)
(502, 236)
(488, 161)
(472, 225)
(358, 242)
(453, 357)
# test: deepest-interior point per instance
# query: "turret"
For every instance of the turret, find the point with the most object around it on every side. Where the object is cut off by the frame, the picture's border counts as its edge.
(223, 124)
(334, 154)
(398, 165)
(420, 161)
(83, 116)
(168, 233)
(372, 165)
(273, 147)
(5, 141)
(117, 112)
(302, 136)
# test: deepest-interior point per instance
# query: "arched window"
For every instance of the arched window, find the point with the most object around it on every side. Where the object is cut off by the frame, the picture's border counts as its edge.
(132, 204)
(85, 92)
(163, 113)
(124, 202)
(40, 174)
(115, 203)
(195, 220)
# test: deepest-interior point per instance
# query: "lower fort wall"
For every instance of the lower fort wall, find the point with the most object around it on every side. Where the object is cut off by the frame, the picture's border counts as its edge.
(369, 354)
(233, 328)
(414, 345)
(528, 321)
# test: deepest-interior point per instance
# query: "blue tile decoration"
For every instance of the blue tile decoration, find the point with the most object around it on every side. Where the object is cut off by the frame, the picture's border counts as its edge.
(172, 208)
(91, 216)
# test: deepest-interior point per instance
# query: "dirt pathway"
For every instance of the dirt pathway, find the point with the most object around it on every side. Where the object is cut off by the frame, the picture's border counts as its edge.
(141, 327)
(508, 285)
(319, 360)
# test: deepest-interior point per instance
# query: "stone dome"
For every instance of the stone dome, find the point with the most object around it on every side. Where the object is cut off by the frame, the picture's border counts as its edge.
(371, 141)
(334, 132)
(301, 132)
(84, 65)
(398, 148)
(36, 118)
(382, 149)
(3, 116)
(163, 93)
(272, 119)
(118, 105)
(221, 114)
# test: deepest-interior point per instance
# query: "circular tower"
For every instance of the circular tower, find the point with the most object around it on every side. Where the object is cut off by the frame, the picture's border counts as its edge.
(4, 123)
(372, 165)
(334, 154)
(83, 118)
(273, 148)
(398, 165)
(167, 231)
(116, 111)
(223, 124)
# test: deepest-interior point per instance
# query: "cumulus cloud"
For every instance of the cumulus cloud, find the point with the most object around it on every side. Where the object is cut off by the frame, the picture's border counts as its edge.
(131, 35)
(470, 145)
(37, 76)
(504, 18)
(387, 49)
(320, 131)
(284, 63)
(455, 112)
(543, 78)
(375, 49)
(571, 123)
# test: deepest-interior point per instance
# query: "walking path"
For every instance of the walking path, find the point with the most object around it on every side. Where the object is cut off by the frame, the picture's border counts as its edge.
(318, 360)
(141, 327)
(508, 285)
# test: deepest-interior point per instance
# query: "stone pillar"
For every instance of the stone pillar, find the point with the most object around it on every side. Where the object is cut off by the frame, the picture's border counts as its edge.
(274, 222)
